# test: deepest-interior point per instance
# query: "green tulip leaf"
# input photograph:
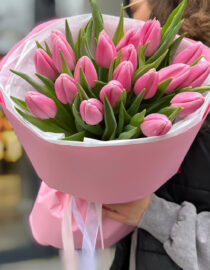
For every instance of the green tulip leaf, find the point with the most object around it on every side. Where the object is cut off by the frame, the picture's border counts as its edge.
(138, 119)
(100, 83)
(88, 32)
(160, 91)
(144, 69)
(69, 36)
(103, 74)
(82, 92)
(171, 112)
(111, 69)
(186, 89)
(47, 125)
(173, 48)
(65, 67)
(118, 59)
(133, 133)
(161, 103)
(145, 47)
(97, 18)
(121, 119)
(135, 106)
(78, 45)
(110, 121)
(47, 82)
(174, 18)
(47, 49)
(122, 98)
(196, 61)
(84, 83)
(201, 89)
(20, 103)
(119, 33)
(39, 46)
(77, 101)
(141, 57)
(76, 137)
(38, 86)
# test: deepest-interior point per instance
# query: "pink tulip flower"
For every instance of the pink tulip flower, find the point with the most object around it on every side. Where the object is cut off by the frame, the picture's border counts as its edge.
(91, 111)
(65, 88)
(149, 82)
(40, 106)
(151, 32)
(124, 74)
(178, 72)
(129, 54)
(113, 90)
(44, 64)
(105, 51)
(89, 70)
(133, 36)
(189, 101)
(59, 43)
(156, 124)
(190, 54)
(198, 74)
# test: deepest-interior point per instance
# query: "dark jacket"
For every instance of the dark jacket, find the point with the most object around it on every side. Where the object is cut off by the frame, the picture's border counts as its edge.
(191, 184)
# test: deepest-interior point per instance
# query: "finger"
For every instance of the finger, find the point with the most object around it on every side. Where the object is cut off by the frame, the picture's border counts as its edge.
(113, 215)
(116, 207)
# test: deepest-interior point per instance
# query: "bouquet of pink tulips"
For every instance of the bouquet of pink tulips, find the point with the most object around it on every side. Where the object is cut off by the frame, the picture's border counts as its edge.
(125, 87)
(75, 102)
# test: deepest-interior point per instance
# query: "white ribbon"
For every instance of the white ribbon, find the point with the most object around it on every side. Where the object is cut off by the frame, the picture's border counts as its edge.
(89, 229)
(70, 257)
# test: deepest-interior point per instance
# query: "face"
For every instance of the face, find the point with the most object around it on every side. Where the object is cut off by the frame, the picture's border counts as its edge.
(141, 9)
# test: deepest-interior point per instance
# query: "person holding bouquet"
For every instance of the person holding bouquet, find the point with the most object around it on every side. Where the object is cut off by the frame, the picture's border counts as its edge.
(136, 84)
(174, 223)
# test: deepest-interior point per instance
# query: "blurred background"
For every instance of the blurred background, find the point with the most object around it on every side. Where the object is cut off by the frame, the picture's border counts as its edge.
(19, 183)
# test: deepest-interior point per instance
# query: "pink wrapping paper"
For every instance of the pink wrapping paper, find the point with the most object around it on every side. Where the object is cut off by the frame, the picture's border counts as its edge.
(108, 172)
(48, 212)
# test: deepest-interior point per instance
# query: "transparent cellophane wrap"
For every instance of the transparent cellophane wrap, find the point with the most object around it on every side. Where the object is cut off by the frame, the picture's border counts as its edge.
(101, 171)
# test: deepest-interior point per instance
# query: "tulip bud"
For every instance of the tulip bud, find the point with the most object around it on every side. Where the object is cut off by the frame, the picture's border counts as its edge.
(129, 54)
(89, 70)
(124, 74)
(91, 111)
(149, 82)
(190, 54)
(105, 51)
(65, 88)
(113, 90)
(189, 101)
(151, 32)
(44, 64)
(133, 36)
(156, 124)
(178, 72)
(198, 74)
(40, 106)
(59, 43)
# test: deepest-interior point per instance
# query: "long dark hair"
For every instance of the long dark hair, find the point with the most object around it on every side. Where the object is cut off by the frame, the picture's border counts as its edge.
(196, 24)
